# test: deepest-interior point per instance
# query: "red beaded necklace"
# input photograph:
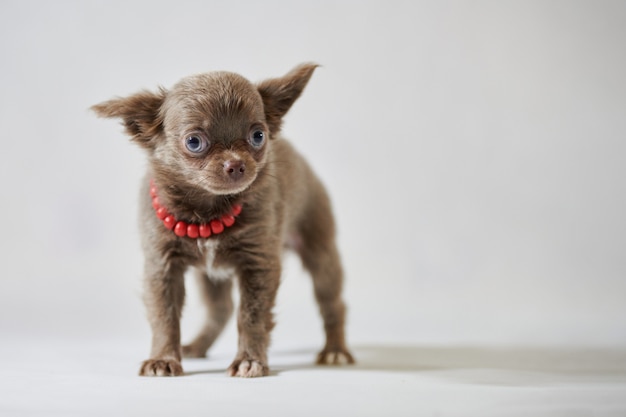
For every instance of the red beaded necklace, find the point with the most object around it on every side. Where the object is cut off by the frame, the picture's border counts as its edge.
(204, 230)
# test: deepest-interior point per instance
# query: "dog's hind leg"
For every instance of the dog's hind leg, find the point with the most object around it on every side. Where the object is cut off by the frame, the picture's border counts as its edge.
(320, 257)
(217, 296)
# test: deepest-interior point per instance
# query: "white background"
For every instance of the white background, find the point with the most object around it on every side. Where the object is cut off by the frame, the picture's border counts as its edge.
(475, 153)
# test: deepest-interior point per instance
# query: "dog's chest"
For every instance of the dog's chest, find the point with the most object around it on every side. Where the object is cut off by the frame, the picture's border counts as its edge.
(215, 270)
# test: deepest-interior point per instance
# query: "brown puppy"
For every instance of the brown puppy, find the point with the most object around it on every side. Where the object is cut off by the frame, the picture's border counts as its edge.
(224, 194)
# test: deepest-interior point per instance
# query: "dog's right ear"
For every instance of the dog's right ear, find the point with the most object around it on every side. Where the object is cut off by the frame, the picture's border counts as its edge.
(279, 94)
(140, 114)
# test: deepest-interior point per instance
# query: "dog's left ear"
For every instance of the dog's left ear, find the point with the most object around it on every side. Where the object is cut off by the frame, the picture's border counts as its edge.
(140, 114)
(279, 94)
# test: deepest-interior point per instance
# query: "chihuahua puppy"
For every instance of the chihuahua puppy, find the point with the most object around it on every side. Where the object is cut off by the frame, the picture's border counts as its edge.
(224, 195)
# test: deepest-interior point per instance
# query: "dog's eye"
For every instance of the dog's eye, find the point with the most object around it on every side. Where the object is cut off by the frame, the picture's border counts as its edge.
(257, 138)
(196, 143)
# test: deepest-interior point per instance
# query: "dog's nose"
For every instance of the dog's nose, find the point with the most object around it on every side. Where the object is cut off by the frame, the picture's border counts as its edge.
(234, 169)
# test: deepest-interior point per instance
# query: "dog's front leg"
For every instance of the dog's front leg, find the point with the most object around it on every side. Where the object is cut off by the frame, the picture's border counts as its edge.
(257, 288)
(164, 296)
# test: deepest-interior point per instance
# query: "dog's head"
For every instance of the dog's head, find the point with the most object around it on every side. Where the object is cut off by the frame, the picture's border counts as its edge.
(210, 130)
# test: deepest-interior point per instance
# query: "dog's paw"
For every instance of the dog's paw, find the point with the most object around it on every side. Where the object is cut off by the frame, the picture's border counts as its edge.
(193, 351)
(337, 356)
(247, 368)
(161, 367)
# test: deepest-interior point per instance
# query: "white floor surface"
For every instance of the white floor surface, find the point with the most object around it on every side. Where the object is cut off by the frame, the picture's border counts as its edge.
(92, 379)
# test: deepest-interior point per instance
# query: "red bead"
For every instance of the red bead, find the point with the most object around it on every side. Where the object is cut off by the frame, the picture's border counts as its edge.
(192, 231)
(169, 222)
(204, 230)
(228, 220)
(180, 229)
(217, 226)
(162, 213)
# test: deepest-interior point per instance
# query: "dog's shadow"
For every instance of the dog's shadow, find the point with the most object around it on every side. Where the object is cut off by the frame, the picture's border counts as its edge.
(481, 365)
(475, 365)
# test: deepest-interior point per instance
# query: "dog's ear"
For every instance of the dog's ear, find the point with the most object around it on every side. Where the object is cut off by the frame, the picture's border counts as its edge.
(279, 94)
(140, 114)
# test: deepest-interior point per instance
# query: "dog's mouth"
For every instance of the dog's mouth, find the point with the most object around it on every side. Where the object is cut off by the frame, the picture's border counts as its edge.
(227, 189)
(231, 178)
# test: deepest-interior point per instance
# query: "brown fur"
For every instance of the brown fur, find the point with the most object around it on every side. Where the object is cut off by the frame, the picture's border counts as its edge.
(282, 202)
